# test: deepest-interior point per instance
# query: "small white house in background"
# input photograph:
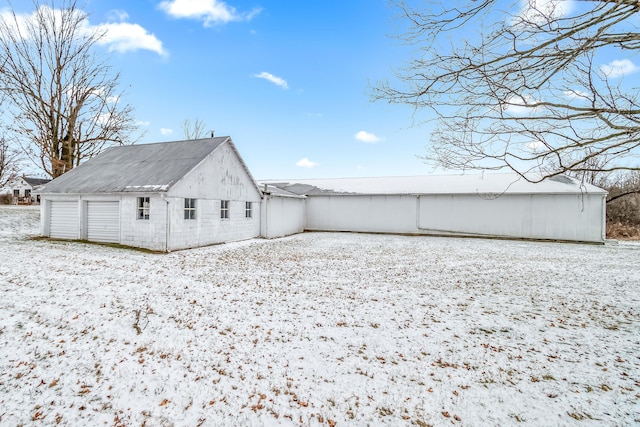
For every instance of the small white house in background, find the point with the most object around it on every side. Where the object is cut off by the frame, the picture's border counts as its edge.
(163, 196)
(488, 205)
(185, 194)
(23, 189)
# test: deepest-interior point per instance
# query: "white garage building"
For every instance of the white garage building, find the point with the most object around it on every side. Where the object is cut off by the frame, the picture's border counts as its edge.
(163, 197)
(186, 194)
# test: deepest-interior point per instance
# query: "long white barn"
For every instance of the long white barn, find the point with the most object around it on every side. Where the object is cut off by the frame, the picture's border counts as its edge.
(185, 194)
(487, 205)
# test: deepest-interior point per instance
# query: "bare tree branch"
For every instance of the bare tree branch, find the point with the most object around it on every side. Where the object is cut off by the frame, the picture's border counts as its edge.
(194, 130)
(519, 86)
(623, 185)
(9, 161)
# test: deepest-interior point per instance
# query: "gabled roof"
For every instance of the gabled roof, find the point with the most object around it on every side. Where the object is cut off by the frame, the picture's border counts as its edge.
(279, 192)
(137, 168)
(487, 184)
(34, 182)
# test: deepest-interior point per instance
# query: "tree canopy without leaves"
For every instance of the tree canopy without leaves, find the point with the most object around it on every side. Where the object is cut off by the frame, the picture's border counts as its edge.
(9, 162)
(61, 97)
(529, 86)
(194, 130)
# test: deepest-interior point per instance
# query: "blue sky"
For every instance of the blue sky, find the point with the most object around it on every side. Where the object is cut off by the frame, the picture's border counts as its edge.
(287, 80)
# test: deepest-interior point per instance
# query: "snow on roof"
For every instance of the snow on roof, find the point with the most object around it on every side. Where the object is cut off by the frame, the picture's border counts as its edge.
(277, 191)
(136, 168)
(435, 184)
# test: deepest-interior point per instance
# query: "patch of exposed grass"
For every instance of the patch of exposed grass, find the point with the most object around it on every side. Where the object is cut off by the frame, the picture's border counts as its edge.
(87, 242)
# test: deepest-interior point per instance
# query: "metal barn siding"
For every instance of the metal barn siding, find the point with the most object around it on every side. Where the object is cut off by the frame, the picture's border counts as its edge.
(103, 221)
(489, 205)
(565, 217)
(282, 216)
(64, 220)
(362, 213)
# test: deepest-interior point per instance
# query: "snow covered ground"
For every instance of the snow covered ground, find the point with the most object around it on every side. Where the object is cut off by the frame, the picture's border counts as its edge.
(318, 329)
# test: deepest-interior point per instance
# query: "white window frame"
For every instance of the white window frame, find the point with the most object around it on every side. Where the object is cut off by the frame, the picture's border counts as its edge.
(189, 209)
(143, 211)
(224, 209)
(248, 211)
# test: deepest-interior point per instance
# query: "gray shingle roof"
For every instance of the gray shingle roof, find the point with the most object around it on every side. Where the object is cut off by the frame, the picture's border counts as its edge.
(494, 184)
(34, 182)
(135, 168)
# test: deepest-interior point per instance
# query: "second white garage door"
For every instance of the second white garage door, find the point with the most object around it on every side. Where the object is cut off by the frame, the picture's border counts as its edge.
(103, 221)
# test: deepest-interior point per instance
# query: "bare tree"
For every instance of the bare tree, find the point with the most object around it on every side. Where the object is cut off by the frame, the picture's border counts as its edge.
(9, 161)
(9, 155)
(520, 86)
(194, 130)
(61, 96)
(623, 205)
(624, 185)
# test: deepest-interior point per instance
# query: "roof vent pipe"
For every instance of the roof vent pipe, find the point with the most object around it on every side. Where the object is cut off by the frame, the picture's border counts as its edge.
(212, 133)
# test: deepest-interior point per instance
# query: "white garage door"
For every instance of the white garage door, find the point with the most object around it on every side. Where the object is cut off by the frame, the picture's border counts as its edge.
(63, 220)
(103, 222)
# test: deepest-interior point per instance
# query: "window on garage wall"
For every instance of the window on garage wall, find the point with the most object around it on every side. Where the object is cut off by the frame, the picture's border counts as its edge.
(189, 208)
(247, 210)
(224, 209)
(143, 207)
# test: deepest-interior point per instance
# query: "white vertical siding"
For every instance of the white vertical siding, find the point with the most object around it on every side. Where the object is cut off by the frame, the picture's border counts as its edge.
(570, 217)
(365, 213)
(282, 216)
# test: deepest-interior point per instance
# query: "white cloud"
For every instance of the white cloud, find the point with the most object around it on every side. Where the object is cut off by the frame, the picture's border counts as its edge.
(211, 12)
(112, 99)
(538, 12)
(103, 118)
(166, 131)
(367, 137)
(118, 15)
(118, 36)
(19, 24)
(273, 79)
(576, 94)
(535, 145)
(520, 105)
(126, 37)
(142, 123)
(306, 163)
(619, 67)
